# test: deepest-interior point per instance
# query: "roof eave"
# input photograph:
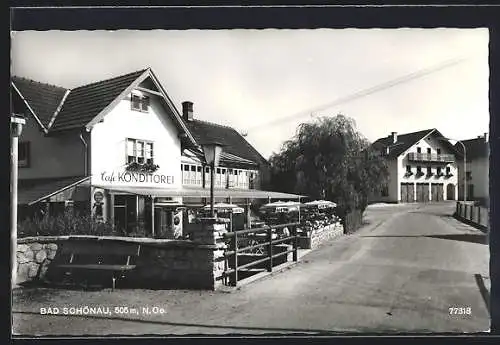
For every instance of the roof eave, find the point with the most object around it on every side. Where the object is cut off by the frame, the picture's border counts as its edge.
(44, 129)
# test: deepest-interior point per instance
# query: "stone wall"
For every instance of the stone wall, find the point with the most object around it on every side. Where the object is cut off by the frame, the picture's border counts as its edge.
(320, 236)
(34, 256)
(167, 264)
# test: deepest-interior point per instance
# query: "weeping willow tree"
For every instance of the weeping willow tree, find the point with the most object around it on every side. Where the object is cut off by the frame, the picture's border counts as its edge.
(329, 159)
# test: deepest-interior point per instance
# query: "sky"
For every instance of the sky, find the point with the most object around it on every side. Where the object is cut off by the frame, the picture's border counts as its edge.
(266, 82)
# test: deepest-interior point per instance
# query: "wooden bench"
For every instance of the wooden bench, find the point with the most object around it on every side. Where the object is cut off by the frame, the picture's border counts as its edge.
(114, 257)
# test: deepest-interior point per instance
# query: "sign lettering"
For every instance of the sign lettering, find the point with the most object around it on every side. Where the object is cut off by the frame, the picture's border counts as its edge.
(136, 177)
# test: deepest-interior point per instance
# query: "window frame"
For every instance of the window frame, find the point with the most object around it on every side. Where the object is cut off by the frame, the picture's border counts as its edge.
(145, 149)
(141, 99)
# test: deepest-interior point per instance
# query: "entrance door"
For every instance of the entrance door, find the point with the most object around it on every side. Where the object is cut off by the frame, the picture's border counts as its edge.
(407, 192)
(437, 192)
(422, 192)
(440, 192)
(163, 223)
(450, 191)
(425, 188)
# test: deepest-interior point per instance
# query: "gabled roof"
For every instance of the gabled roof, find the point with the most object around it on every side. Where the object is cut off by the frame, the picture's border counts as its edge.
(64, 109)
(475, 148)
(234, 143)
(403, 143)
(86, 102)
(407, 140)
(43, 99)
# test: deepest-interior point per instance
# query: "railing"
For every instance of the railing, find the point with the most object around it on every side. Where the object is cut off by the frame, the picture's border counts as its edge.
(477, 215)
(254, 241)
(431, 157)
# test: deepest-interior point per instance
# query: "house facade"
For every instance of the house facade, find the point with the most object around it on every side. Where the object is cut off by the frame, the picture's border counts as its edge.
(121, 150)
(477, 165)
(422, 167)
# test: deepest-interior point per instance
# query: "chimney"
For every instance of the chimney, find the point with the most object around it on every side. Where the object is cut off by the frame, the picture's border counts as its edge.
(485, 137)
(187, 111)
(394, 136)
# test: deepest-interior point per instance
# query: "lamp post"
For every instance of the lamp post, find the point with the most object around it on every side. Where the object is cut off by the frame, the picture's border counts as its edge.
(212, 151)
(465, 165)
(16, 127)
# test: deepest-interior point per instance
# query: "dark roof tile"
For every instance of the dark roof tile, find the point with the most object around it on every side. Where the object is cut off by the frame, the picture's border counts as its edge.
(42, 98)
(475, 148)
(85, 102)
(234, 143)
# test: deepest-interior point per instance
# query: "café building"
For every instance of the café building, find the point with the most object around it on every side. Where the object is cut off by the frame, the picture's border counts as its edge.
(120, 150)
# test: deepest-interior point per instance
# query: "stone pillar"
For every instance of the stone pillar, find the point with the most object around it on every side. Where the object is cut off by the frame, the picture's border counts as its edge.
(211, 234)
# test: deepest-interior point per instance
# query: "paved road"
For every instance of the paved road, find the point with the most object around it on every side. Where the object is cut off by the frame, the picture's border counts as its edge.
(400, 273)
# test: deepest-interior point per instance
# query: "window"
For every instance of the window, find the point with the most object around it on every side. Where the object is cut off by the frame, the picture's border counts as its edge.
(23, 154)
(438, 151)
(468, 175)
(419, 150)
(139, 103)
(429, 150)
(408, 169)
(438, 171)
(139, 151)
(448, 171)
(429, 171)
(419, 170)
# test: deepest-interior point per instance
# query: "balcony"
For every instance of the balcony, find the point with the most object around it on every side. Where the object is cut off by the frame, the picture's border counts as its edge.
(431, 157)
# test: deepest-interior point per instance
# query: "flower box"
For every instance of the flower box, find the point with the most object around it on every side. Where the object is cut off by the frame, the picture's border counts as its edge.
(144, 167)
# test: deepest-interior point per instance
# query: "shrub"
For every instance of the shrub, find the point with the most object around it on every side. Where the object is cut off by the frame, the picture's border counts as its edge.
(68, 223)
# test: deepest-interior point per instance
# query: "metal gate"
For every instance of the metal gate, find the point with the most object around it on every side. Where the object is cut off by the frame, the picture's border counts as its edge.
(437, 192)
(407, 192)
(422, 192)
(259, 241)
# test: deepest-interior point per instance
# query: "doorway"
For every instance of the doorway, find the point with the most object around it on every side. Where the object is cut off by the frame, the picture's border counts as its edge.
(450, 191)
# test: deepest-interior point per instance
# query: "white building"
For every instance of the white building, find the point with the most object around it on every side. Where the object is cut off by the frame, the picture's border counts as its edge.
(422, 167)
(477, 165)
(120, 149)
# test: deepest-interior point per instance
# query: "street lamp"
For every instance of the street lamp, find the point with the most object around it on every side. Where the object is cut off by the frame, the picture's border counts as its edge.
(212, 151)
(465, 165)
(16, 127)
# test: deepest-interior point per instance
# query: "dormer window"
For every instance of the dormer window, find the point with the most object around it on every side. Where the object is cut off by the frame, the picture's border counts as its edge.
(139, 103)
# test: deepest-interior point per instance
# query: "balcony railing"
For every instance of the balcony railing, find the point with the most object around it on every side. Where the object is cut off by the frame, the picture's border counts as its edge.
(431, 157)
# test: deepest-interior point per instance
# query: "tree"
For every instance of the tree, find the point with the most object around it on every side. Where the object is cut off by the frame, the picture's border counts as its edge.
(329, 159)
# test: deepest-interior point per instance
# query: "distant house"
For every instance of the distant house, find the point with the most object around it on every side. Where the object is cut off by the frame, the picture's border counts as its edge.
(422, 167)
(477, 165)
(120, 149)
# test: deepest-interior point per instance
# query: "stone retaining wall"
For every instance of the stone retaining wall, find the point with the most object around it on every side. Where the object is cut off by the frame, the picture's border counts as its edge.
(321, 235)
(34, 256)
(168, 264)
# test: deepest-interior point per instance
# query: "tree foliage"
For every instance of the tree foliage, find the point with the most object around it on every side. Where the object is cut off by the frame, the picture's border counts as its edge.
(329, 159)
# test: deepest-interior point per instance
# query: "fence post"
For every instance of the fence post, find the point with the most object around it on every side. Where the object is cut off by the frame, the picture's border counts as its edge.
(295, 243)
(235, 258)
(270, 248)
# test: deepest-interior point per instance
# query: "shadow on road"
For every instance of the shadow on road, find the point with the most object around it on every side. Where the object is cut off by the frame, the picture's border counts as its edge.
(473, 238)
(484, 291)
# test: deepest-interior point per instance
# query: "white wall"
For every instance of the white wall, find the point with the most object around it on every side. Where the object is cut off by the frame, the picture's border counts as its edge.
(479, 169)
(108, 145)
(402, 162)
(50, 157)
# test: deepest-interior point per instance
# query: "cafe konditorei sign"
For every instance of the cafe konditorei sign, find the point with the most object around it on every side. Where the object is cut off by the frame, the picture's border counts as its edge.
(136, 177)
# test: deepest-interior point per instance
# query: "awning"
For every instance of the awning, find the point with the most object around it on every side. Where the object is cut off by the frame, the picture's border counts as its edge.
(203, 193)
(32, 191)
